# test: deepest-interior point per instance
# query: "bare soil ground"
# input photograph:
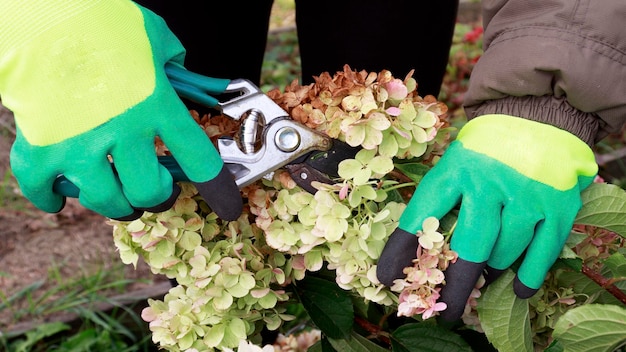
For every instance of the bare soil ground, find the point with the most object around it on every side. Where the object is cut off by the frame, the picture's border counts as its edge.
(75, 242)
(34, 244)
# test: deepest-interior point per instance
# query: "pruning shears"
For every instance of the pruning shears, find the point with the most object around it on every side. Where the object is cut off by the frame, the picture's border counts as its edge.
(268, 139)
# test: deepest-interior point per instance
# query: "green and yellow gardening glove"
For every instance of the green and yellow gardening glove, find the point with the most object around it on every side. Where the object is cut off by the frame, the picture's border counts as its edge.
(518, 183)
(85, 80)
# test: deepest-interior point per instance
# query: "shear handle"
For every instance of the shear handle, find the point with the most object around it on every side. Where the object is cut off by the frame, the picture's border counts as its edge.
(194, 86)
(245, 167)
(240, 95)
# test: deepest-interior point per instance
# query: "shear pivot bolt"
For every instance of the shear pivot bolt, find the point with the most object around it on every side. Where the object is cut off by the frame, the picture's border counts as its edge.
(287, 139)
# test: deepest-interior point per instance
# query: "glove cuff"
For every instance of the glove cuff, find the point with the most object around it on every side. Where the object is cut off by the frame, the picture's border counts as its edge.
(546, 109)
(539, 151)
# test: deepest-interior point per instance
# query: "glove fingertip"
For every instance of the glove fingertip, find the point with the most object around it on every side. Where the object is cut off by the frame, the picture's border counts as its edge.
(61, 206)
(521, 290)
(399, 252)
(222, 195)
(52, 204)
(461, 278)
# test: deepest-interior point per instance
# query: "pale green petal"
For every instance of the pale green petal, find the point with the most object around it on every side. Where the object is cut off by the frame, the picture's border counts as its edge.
(381, 215)
(165, 248)
(268, 301)
(190, 240)
(408, 111)
(389, 146)
(340, 211)
(381, 165)
(355, 135)
(417, 149)
(238, 291)
(247, 281)
(313, 260)
(372, 139)
(223, 302)
(430, 224)
(349, 168)
(365, 155)
(272, 322)
(351, 103)
(215, 335)
(378, 121)
(419, 135)
(426, 118)
(135, 226)
(129, 257)
(363, 176)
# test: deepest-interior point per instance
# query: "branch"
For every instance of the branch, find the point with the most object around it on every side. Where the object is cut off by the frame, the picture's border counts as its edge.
(375, 330)
(604, 283)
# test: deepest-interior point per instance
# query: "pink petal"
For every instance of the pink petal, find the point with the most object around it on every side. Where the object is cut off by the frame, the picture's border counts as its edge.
(343, 193)
(397, 89)
(393, 111)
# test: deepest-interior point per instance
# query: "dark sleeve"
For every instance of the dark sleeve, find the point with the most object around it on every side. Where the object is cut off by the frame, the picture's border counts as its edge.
(372, 35)
(223, 39)
(227, 38)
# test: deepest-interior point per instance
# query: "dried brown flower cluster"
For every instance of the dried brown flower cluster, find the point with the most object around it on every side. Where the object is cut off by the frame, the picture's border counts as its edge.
(328, 91)
(319, 105)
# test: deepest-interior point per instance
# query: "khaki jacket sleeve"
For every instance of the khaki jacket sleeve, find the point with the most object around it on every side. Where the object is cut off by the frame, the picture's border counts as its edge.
(561, 62)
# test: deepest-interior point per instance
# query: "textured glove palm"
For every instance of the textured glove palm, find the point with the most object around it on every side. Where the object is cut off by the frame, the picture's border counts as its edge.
(518, 183)
(86, 83)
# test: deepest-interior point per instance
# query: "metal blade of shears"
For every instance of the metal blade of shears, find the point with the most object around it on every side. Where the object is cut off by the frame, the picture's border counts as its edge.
(320, 166)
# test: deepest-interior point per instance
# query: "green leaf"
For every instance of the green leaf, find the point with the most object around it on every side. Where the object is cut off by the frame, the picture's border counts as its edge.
(414, 171)
(592, 328)
(39, 334)
(555, 346)
(326, 345)
(575, 238)
(604, 205)
(576, 264)
(87, 340)
(504, 317)
(355, 343)
(582, 284)
(328, 305)
(616, 264)
(316, 347)
(448, 221)
(427, 338)
(567, 253)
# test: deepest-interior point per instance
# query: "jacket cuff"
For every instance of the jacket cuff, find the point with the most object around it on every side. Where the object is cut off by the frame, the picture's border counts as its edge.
(546, 109)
